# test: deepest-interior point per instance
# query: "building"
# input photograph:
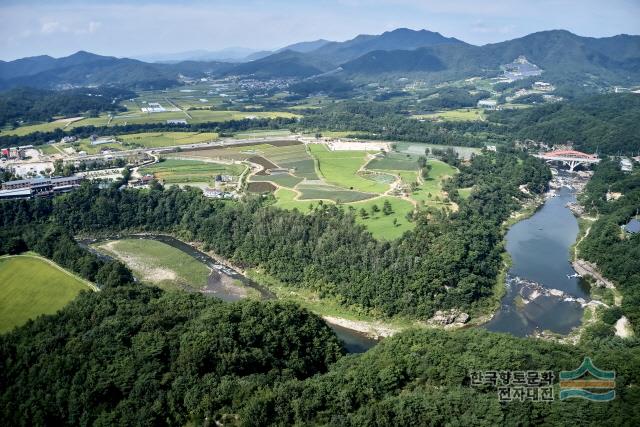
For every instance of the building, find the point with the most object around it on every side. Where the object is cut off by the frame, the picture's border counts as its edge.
(543, 86)
(177, 122)
(95, 140)
(626, 165)
(632, 226)
(488, 104)
(41, 186)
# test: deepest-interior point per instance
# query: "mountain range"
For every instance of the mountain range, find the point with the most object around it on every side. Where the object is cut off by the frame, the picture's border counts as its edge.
(561, 54)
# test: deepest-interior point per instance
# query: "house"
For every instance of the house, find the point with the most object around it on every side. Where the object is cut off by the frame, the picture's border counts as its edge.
(488, 104)
(632, 226)
(177, 122)
(543, 86)
(626, 165)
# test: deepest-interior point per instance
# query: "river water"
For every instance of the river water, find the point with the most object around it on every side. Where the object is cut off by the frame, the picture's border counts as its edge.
(223, 283)
(540, 294)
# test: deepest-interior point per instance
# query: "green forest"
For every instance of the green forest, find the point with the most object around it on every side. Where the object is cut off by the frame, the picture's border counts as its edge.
(616, 253)
(133, 355)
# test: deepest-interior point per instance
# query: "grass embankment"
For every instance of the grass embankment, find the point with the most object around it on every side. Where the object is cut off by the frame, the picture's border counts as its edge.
(157, 263)
(364, 321)
(31, 286)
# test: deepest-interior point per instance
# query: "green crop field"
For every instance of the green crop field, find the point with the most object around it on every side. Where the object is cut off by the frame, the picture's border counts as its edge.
(283, 180)
(381, 225)
(31, 286)
(419, 148)
(174, 171)
(262, 134)
(395, 161)
(166, 139)
(341, 168)
(157, 263)
(285, 199)
(57, 124)
(459, 115)
(330, 192)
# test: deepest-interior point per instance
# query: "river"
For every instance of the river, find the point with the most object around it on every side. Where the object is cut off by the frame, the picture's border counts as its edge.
(222, 283)
(540, 293)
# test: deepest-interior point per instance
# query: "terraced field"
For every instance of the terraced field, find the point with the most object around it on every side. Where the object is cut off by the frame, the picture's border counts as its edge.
(173, 171)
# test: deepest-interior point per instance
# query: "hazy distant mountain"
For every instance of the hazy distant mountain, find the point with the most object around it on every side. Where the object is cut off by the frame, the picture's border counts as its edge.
(329, 55)
(304, 47)
(286, 64)
(402, 38)
(87, 69)
(560, 54)
(231, 54)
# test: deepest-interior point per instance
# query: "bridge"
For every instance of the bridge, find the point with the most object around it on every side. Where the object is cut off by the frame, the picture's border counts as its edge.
(570, 158)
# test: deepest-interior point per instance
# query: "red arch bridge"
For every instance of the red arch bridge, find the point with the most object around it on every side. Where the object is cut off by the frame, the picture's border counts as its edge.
(570, 158)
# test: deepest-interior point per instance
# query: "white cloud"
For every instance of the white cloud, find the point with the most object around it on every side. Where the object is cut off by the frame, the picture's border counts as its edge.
(52, 27)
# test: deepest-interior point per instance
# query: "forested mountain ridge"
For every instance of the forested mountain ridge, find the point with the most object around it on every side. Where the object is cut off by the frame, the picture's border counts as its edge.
(33, 105)
(559, 53)
(132, 355)
(88, 69)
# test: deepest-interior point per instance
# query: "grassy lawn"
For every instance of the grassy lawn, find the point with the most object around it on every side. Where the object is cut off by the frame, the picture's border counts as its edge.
(433, 184)
(460, 115)
(340, 168)
(31, 286)
(158, 263)
(381, 225)
(173, 171)
(166, 139)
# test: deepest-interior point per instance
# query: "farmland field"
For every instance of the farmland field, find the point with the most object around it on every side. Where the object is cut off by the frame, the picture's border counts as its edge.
(174, 171)
(31, 286)
(157, 263)
(283, 180)
(330, 192)
(419, 148)
(462, 114)
(395, 161)
(340, 168)
(165, 139)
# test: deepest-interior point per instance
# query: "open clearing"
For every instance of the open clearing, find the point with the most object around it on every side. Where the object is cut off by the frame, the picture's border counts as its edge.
(157, 263)
(31, 286)
(173, 171)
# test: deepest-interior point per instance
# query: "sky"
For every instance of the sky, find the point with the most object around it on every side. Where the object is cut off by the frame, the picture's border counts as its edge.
(136, 28)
